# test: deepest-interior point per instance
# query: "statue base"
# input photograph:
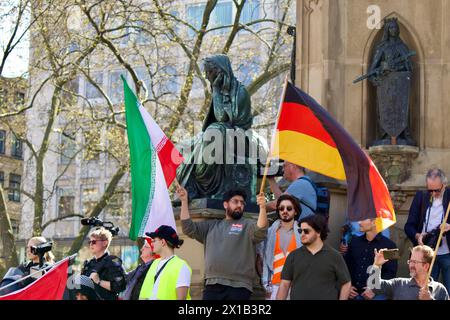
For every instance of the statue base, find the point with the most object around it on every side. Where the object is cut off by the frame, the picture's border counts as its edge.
(394, 162)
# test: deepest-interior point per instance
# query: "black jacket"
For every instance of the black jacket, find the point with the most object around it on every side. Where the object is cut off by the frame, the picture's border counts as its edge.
(109, 268)
(416, 216)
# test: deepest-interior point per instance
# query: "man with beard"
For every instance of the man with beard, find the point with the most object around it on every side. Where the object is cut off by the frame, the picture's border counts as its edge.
(418, 287)
(282, 238)
(230, 245)
(314, 271)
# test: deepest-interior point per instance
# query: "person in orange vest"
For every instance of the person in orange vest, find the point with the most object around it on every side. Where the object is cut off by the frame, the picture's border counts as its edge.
(282, 238)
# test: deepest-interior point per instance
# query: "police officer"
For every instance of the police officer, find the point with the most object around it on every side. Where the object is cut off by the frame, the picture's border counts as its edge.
(105, 270)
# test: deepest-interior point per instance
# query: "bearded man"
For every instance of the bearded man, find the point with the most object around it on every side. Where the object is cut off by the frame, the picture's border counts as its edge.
(230, 245)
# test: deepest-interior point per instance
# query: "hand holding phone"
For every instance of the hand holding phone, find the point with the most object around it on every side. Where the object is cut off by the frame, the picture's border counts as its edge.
(391, 254)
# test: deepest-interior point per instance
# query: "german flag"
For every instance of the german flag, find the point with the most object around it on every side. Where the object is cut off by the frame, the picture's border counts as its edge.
(308, 136)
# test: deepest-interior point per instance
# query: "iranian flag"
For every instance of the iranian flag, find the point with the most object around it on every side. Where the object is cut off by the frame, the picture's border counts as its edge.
(153, 162)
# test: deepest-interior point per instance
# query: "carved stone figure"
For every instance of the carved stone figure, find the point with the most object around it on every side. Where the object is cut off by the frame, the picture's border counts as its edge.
(390, 72)
(220, 161)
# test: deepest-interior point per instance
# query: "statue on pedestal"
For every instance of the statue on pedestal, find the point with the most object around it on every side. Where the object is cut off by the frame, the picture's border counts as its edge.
(220, 157)
(390, 72)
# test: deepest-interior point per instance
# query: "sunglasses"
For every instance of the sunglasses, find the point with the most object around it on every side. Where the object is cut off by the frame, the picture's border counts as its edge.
(435, 190)
(93, 242)
(288, 208)
(305, 231)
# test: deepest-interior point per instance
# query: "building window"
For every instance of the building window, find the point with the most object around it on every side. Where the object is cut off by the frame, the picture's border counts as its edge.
(88, 199)
(91, 91)
(145, 77)
(20, 98)
(92, 145)
(250, 12)
(68, 148)
(170, 82)
(66, 202)
(14, 187)
(2, 141)
(115, 86)
(194, 16)
(115, 205)
(2, 179)
(16, 147)
(3, 96)
(221, 16)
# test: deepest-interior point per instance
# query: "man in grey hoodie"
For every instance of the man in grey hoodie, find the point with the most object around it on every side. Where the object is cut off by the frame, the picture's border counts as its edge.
(230, 245)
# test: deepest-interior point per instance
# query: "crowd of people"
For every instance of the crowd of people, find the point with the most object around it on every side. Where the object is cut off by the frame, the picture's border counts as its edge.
(297, 263)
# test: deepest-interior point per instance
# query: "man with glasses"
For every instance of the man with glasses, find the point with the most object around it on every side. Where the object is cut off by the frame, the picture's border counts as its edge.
(418, 287)
(105, 270)
(230, 245)
(136, 277)
(314, 271)
(282, 238)
(427, 214)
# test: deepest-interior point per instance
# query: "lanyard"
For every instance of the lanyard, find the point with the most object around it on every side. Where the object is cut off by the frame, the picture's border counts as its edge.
(161, 269)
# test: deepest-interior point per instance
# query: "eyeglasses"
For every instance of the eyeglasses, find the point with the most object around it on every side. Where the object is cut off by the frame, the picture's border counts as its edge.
(435, 190)
(236, 202)
(288, 208)
(414, 262)
(305, 231)
(93, 242)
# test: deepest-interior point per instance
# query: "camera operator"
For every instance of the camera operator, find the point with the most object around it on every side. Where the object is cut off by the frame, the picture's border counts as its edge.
(105, 270)
(426, 216)
(28, 267)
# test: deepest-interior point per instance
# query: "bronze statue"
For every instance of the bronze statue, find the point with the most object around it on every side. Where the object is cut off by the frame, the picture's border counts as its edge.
(229, 114)
(390, 72)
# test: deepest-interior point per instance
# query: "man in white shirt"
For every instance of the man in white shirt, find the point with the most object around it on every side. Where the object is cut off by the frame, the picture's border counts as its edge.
(169, 277)
(427, 214)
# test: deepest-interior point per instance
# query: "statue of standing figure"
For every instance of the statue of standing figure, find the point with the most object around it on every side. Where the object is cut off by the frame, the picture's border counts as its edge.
(220, 155)
(390, 72)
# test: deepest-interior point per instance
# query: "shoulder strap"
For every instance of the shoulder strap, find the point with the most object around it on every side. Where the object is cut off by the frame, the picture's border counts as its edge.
(315, 189)
(161, 269)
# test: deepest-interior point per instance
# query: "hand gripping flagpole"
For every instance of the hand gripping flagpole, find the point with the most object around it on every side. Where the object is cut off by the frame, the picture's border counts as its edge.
(438, 243)
(269, 156)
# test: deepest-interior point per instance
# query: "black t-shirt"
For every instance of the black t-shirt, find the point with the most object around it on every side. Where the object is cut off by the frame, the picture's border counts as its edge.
(315, 277)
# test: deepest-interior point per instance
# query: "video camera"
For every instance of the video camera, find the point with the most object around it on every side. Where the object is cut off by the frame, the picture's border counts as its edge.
(96, 222)
(40, 250)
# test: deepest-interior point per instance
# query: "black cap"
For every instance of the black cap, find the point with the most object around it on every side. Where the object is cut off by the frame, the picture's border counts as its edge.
(167, 233)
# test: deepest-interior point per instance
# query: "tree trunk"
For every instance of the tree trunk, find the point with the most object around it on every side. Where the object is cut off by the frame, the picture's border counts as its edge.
(8, 244)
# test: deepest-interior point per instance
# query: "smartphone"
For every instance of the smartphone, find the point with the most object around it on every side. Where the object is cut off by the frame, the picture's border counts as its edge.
(391, 254)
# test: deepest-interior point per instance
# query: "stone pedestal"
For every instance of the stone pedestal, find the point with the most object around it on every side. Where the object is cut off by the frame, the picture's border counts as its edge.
(394, 162)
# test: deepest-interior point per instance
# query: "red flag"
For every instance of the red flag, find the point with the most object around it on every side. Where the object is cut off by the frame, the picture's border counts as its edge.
(50, 286)
(308, 136)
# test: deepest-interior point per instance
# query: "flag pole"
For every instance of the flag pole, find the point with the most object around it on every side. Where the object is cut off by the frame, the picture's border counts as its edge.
(269, 156)
(438, 243)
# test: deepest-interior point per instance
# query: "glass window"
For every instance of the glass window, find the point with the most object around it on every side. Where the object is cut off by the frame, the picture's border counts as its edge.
(68, 148)
(14, 187)
(2, 141)
(221, 16)
(20, 98)
(115, 86)
(16, 147)
(145, 77)
(142, 36)
(2, 179)
(170, 82)
(66, 202)
(3, 96)
(92, 145)
(115, 205)
(91, 91)
(250, 12)
(194, 16)
(89, 197)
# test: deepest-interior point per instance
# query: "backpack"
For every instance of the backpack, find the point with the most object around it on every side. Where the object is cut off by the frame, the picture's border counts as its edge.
(323, 199)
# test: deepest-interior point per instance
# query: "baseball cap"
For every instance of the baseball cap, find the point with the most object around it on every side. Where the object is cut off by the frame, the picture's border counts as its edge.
(167, 233)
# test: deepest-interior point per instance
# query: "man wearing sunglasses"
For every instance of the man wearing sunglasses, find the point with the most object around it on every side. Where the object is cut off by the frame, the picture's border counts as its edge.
(136, 277)
(230, 245)
(105, 270)
(426, 215)
(314, 271)
(282, 238)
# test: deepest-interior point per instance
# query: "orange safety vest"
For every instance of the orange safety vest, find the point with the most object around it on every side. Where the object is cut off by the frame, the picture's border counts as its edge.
(280, 258)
